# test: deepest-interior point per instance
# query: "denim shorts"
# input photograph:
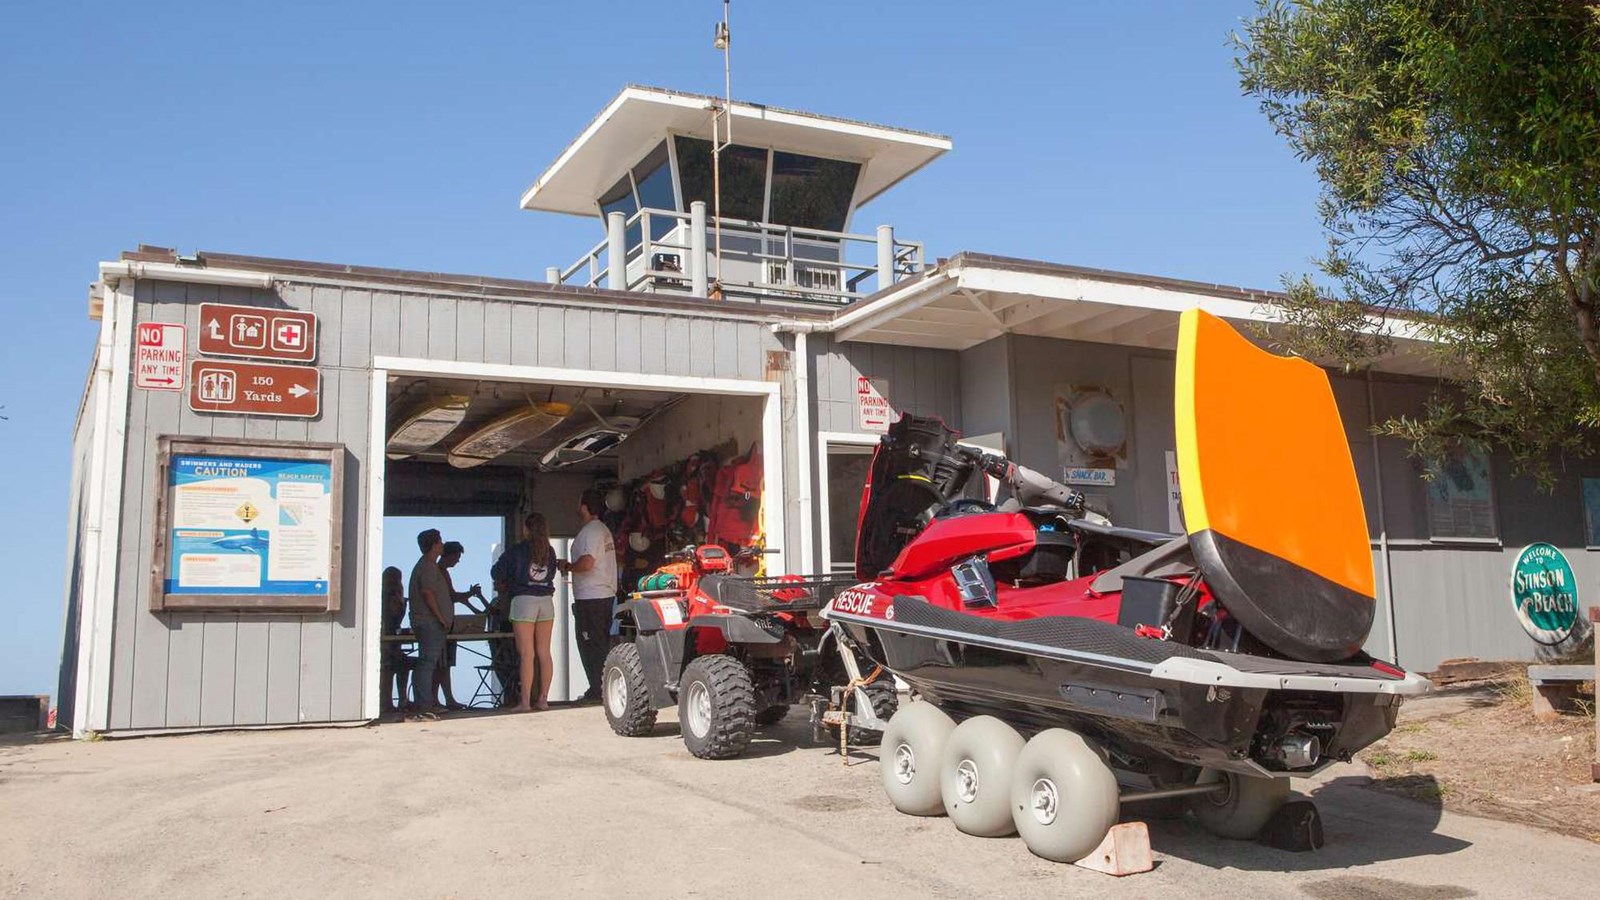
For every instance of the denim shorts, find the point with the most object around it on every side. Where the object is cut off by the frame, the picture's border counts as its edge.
(531, 608)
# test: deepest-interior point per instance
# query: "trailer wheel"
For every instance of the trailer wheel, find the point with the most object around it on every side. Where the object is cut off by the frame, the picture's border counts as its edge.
(1243, 809)
(909, 761)
(1063, 795)
(975, 776)
(716, 707)
(772, 715)
(626, 695)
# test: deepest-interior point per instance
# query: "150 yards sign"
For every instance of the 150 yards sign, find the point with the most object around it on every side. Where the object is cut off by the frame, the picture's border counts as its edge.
(257, 388)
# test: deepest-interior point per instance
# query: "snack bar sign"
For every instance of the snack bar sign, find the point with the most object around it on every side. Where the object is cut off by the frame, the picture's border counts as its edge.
(1544, 591)
(248, 526)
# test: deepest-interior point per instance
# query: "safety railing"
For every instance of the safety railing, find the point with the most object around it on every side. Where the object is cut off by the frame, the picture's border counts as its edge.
(758, 259)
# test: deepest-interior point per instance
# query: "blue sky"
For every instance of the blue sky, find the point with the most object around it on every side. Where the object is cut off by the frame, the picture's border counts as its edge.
(401, 134)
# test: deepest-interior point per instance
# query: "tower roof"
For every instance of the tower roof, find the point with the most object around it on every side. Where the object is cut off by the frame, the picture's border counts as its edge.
(639, 117)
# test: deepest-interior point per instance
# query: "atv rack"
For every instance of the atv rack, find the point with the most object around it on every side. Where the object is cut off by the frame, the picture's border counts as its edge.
(787, 593)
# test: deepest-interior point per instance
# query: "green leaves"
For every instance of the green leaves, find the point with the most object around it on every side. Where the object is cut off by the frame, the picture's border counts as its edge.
(1458, 146)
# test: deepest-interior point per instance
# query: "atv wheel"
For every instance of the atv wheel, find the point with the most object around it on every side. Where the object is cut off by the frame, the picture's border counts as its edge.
(716, 707)
(1063, 795)
(885, 700)
(1240, 811)
(772, 715)
(909, 761)
(626, 695)
(975, 776)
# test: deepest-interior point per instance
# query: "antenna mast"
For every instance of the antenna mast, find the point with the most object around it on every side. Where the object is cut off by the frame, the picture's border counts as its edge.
(721, 139)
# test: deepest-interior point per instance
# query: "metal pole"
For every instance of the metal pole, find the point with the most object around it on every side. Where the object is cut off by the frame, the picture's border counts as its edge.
(1164, 793)
(562, 644)
(552, 274)
(617, 251)
(885, 256)
(648, 283)
(697, 247)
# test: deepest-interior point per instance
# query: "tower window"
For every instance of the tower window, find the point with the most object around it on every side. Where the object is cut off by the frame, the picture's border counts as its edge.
(811, 192)
(744, 178)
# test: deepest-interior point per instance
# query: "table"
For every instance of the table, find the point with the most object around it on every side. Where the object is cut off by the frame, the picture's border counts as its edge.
(470, 637)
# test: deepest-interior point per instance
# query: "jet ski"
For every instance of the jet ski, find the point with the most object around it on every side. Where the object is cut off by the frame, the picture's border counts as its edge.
(1064, 666)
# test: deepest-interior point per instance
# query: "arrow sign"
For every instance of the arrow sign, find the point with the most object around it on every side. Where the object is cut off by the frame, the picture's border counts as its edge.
(259, 389)
(258, 332)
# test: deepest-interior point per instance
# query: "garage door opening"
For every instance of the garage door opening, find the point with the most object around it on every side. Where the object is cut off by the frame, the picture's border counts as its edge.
(481, 538)
(478, 444)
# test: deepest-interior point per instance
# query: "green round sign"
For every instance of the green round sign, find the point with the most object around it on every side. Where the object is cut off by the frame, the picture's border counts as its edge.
(1545, 593)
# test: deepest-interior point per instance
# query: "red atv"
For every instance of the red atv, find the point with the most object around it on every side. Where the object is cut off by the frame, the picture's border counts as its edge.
(733, 652)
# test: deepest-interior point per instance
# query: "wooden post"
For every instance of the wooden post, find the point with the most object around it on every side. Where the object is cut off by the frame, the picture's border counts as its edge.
(1594, 619)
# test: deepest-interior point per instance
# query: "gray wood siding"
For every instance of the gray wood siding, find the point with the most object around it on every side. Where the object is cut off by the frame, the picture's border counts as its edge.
(922, 381)
(192, 669)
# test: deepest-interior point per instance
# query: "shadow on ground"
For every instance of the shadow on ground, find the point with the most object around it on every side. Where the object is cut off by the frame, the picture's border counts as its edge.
(1360, 826)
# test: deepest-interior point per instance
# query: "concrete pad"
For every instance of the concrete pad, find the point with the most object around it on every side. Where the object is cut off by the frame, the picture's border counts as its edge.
(554, 805)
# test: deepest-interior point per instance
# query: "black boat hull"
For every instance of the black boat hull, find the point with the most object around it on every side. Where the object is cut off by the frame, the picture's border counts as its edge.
(1140, 719)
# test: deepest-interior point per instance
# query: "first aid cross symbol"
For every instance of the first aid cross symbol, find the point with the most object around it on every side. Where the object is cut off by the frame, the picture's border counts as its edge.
(289, 335)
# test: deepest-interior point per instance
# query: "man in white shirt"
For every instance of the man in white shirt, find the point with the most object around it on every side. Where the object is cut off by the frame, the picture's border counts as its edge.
(593, 570)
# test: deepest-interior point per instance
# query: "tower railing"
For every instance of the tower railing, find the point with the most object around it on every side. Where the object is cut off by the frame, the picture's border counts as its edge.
(760, 260)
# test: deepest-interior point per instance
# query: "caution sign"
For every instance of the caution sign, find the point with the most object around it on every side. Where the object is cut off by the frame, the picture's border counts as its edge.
(158, 357)
(873, 412)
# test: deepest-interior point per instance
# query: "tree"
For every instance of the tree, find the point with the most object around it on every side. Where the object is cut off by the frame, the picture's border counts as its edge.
(1458, 147)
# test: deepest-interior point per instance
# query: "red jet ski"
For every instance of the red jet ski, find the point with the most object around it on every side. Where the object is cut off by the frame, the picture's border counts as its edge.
(1065, 666)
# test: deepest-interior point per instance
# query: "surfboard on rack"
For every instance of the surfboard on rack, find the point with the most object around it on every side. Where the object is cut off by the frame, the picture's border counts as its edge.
(507, 433)
(425, 423)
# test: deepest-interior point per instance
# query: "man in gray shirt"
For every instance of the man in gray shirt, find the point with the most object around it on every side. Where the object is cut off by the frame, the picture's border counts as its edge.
(431, 609)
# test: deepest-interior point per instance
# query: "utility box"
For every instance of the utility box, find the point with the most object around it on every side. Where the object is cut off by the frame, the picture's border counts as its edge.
(24, 713)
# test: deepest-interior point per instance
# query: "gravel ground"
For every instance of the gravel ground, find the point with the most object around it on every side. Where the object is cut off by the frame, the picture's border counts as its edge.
(1479, 750)
(552, 804)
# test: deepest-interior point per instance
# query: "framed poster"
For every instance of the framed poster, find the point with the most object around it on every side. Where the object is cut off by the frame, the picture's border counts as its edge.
(1591, 513)
(248, 526)
(1461, 496)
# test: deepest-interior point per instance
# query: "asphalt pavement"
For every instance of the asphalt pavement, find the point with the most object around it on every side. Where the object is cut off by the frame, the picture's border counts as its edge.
(554, 805)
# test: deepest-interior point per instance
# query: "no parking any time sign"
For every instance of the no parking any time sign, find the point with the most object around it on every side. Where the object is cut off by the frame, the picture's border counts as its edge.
(158, 357)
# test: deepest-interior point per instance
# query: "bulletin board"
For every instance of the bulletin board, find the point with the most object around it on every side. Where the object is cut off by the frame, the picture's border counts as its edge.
(254, 526)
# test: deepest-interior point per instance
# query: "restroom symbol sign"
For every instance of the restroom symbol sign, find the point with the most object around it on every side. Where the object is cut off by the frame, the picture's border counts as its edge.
(217, 385)
(258, 332)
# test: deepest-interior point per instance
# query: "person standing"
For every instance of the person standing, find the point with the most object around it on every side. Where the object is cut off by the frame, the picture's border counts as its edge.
(430, 599)
(394, 661)
(594, 588)
(447, 561)
(526, 572)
